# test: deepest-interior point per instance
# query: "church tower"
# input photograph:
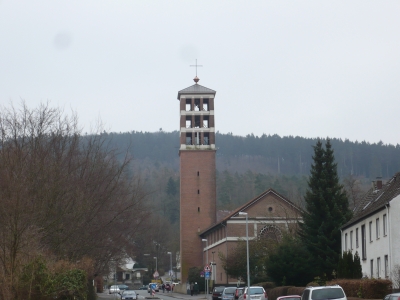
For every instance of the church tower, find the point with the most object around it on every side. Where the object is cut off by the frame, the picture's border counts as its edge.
(197, 173)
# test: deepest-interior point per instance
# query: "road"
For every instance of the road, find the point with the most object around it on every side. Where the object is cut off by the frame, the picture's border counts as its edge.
(143, 295)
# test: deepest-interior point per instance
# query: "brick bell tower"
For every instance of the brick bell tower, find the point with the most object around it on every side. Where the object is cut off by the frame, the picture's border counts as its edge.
(197, 173)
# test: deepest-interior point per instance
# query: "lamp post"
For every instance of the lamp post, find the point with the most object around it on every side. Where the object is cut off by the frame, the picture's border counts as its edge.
(247, 242)
(170, 265)
(205, 240)
(155, 257)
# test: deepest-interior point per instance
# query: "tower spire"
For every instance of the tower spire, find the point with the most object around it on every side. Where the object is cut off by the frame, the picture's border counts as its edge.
(196, 79)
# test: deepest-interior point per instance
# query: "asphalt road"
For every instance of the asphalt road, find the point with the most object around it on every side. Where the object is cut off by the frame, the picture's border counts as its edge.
(144, 295)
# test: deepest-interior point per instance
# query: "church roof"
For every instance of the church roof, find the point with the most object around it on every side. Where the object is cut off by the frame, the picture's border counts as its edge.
(196, 89)
(251, 203)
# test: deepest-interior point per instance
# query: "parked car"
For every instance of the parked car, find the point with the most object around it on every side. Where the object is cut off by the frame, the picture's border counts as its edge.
(254, 293)
(395, 296)
(238, 293)
(324, 292)
(114, 289)
(228, 293)
(289, 297)
(144, 287)
(128, 295)
(123, 287)
(217, 292)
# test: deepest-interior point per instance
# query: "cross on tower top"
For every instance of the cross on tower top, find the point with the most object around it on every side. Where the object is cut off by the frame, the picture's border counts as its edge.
(196, 79)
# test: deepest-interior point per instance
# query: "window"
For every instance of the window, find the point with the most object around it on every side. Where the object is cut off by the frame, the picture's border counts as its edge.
(364, 242)
(356, 237)
(345, 242)
(384, 225)
(378, 267)
(351, 240)
(372, 268)
(377, 228)
(370, 231)
(386, 266)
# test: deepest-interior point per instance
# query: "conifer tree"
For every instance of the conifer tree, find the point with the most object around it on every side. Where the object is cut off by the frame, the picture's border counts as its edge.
(326, 211)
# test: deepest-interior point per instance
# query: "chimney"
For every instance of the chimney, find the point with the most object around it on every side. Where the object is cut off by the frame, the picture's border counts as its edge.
(378, 183)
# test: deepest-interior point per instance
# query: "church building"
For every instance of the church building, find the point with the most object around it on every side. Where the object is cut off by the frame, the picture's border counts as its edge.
(201, 235)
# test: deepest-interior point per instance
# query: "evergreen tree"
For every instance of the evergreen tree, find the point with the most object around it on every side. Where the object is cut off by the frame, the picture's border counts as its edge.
(326, 211)
(357, 271)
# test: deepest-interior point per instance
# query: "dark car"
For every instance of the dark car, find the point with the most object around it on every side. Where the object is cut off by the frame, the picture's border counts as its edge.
(217, 292)
(123, 287)
(395, 296)
(144, 287)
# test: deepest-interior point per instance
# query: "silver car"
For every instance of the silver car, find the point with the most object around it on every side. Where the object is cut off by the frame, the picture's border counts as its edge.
(228, 293)
(114, 289)
(254, 293)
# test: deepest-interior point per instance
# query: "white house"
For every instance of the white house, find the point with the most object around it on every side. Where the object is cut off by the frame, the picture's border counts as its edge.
(374, 230)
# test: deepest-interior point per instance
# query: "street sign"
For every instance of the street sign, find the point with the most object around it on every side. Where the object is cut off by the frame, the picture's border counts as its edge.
(207, 268)
(155, 275)
(207, 275)
(202, 274)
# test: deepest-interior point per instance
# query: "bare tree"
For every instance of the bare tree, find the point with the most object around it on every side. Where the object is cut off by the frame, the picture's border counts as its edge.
(62, 194)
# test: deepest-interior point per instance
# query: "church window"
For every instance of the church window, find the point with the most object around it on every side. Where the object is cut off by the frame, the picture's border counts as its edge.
(205, 121)
(205, 104)
(270, 209)
(198, 209)
(188, 104)
(271, 232)
(198, 191)
(197, 104)
(206, 138)
(197, 122)
(188, 122)
(189, 138)
(198, 173)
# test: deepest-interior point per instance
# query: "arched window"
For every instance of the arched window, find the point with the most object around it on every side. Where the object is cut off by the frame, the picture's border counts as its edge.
(271, 232)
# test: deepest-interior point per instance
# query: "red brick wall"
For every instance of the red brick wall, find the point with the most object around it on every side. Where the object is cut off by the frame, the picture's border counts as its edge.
(197, 204)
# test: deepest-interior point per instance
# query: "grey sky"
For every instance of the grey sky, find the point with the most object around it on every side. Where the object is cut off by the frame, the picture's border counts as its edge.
(307, 68)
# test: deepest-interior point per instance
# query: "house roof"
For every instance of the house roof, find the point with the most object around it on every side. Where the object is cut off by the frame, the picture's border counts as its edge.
(375, 200)
(196, 89)
(249, 204)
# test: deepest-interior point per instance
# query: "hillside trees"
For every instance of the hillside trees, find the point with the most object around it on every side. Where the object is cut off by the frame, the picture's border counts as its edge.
(62, 196)
(327, 209)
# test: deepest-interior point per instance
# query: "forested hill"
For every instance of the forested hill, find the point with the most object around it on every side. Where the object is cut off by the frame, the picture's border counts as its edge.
(267, 154)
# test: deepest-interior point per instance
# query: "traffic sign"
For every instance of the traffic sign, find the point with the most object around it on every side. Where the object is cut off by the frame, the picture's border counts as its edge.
(207, 268)
(155, 275)
(207, 275)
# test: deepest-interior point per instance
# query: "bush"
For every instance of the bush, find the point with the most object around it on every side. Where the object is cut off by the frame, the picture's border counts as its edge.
(296, 291)
(364, 288)
(278, 291)
(313, 283)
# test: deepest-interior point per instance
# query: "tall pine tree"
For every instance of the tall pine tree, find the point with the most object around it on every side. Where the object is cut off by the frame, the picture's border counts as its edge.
(327, 209)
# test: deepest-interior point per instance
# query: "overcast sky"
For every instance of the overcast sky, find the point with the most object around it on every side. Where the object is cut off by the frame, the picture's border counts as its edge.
(306, 68)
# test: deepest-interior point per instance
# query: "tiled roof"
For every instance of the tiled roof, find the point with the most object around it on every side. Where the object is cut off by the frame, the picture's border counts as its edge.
(196, 89)
(250, 203)
(375, 200)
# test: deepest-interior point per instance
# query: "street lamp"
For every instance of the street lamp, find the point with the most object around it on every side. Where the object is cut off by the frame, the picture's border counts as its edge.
(205, 240)
(170, 265)
(247, 241)
(155, 257)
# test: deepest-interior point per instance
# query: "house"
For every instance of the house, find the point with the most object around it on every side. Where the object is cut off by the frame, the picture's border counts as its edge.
(269, 215)
(373, 231)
